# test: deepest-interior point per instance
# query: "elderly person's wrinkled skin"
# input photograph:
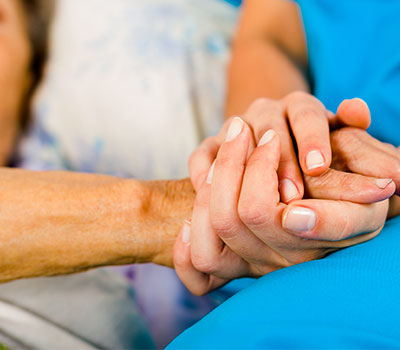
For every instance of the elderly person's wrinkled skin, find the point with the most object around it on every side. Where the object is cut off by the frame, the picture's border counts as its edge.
(58, 222)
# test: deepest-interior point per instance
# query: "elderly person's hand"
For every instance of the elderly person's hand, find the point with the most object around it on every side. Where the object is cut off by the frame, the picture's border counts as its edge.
(304, 116)
(356, 151)
(15, 57)
(240, 228)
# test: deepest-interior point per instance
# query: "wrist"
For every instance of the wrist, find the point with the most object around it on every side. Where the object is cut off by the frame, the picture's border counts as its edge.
(167, 204)
(149, 215)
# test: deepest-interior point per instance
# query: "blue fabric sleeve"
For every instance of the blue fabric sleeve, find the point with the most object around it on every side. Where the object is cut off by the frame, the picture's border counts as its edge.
(350, 299)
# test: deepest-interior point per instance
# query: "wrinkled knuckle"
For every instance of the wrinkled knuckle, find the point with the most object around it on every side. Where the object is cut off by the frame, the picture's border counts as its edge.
(223, 223)
(349, 133)
(306, 112)
(260, 108)
(252, 213)
(207, 264)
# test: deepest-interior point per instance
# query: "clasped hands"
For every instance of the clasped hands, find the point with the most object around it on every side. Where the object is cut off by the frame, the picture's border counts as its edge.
(261, 206)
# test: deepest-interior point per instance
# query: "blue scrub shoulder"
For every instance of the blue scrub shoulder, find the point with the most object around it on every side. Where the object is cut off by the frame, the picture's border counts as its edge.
(354, 51)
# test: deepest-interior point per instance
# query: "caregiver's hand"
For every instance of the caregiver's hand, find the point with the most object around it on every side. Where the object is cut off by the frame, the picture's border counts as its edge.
(309, 121)
(240, 228)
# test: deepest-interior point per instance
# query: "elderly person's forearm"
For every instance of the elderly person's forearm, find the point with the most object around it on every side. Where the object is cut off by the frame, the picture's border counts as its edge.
(58, 223)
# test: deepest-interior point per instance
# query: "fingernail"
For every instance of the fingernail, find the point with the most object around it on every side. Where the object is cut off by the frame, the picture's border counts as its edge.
(383, 183)
(210, 174)
(186, 232)
(268, 136)
(235, 128)
(314, 160)
(288, 190)
(299, 219)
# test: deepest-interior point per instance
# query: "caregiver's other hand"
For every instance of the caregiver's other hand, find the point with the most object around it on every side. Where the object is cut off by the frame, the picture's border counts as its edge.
(240, 227)
(15, 57)
(309, 121)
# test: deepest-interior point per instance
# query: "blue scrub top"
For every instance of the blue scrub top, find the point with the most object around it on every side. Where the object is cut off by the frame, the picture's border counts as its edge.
(350, 299)
(354, 51)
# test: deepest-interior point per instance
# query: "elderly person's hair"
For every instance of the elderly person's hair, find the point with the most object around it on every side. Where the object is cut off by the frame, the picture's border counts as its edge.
(38, 14)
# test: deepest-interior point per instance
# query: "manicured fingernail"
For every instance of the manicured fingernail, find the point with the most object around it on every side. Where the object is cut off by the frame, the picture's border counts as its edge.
(186, 232)
(235, 128)
(288, 190)
(383, 183)
(314, 160)
(210, 174)
(299, 219)
(268, 136)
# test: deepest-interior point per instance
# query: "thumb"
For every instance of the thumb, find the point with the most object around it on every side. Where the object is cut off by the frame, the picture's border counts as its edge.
(354, 112)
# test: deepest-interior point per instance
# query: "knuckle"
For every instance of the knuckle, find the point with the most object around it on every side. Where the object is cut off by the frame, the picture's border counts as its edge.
(208, 264)
(254, 214)
(306, 112)
(305, 97)
(223, 223)
(262, 106)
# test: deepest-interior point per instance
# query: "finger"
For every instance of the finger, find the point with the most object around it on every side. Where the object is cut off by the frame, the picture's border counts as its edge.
(264, 115)
(203, 156)
(208, 252)
(227, 179)
(201, 160)
(333, 220)
(259, 203)
(361, 153)
(309, 123)
(226, 186)
(354, 112)
(197, 282)
(338, 185)
(215, 202)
